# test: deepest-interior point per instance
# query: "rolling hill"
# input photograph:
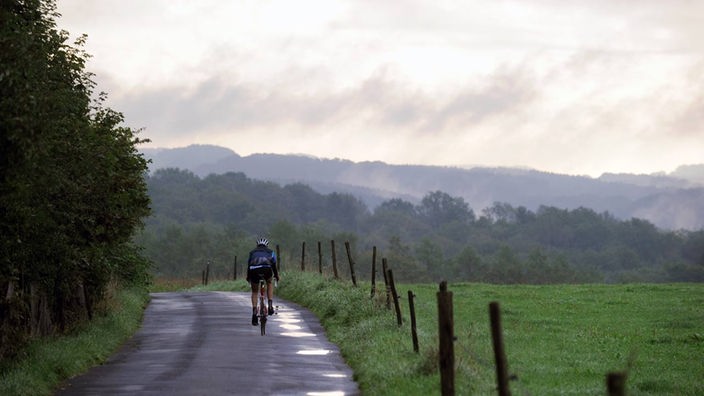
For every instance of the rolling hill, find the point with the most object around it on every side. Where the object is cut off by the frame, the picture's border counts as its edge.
(670, 201)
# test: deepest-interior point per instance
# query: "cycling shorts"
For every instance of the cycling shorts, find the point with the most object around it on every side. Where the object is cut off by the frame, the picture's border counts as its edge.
(265, 270)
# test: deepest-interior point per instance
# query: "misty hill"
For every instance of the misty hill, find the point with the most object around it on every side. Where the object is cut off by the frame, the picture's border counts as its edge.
(671, 201)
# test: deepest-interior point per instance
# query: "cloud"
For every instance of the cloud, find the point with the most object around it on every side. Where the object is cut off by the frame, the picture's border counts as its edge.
(380, 102)
(688, 120)
(581, 112)
(504, 92)
(573, 86)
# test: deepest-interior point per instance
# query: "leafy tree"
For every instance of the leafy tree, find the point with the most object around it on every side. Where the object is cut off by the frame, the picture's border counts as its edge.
(505, 267)
(396, 205)
(440, 208)
(345, 209)
(304, 202)
(71, 180)
(286, 235)
(684, 272)
(468, 265)
(401, 260)
(511, 244)
(500, 212)
(432, 259)
(693, 247)
(398, 218)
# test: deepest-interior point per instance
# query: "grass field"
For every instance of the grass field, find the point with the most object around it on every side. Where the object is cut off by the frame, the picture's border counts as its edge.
(559, 340)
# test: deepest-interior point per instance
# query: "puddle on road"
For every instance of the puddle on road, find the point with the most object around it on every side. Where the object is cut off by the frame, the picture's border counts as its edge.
(334, 375)
(290, 327)
(288, 319)
(313, 352)
(297, 334)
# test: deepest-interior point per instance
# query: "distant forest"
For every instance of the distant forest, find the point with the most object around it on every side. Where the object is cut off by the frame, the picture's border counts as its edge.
(196, 221)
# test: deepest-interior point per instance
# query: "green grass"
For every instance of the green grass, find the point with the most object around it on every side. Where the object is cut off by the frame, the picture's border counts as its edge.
(559, 340)
(47, 362)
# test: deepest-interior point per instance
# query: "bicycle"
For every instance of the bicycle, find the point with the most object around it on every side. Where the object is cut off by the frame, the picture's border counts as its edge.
(262, 311)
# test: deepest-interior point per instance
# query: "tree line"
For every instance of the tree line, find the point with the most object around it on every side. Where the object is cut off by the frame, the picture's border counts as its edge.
(72, 187)
(197, 221)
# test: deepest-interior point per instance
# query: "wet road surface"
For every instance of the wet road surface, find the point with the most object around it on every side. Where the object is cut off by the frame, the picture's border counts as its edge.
(203, 343)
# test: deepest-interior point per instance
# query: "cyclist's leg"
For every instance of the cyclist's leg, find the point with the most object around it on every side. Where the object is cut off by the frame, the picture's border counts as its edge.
(270, 290)
(262, 303)
(255, 289)
(253, 277)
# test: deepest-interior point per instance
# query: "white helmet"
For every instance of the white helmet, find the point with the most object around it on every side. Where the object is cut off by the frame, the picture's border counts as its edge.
(262, 241)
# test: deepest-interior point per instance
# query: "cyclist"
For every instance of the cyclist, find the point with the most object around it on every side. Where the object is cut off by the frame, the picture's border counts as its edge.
(262, 261)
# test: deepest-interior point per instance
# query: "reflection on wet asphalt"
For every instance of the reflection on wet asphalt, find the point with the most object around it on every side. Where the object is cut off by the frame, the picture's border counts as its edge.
(202, 343)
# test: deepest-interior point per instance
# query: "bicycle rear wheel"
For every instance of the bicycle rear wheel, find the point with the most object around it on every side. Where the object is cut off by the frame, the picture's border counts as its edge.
(262, 316)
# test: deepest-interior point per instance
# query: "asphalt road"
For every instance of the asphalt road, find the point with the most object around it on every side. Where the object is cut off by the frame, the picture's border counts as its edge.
(203, 343)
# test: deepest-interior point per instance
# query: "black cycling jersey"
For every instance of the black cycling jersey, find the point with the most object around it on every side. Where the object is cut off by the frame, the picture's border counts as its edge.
(261, 260)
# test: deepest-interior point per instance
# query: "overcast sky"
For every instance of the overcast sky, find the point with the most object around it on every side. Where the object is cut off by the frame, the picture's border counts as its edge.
(566, 86)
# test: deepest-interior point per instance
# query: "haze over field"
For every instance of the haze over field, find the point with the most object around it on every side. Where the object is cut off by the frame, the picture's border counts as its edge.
(579, 87)
(671, 201)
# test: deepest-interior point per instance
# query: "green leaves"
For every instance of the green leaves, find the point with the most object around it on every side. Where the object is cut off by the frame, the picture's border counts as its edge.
(72, 189)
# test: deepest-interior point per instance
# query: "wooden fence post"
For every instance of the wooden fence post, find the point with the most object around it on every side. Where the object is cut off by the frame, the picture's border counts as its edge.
(499, 353)
(334, 258)
(303, 256)
(384, 268)
(397, 306)
(414, 332)
(349, 258)
(320, 258)
(616, 384)
(446, 335)
(373, 272)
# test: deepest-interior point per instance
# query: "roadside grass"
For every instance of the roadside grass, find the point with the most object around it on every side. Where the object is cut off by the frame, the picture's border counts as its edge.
(48, 362)
(559, 339)
(172, 284)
